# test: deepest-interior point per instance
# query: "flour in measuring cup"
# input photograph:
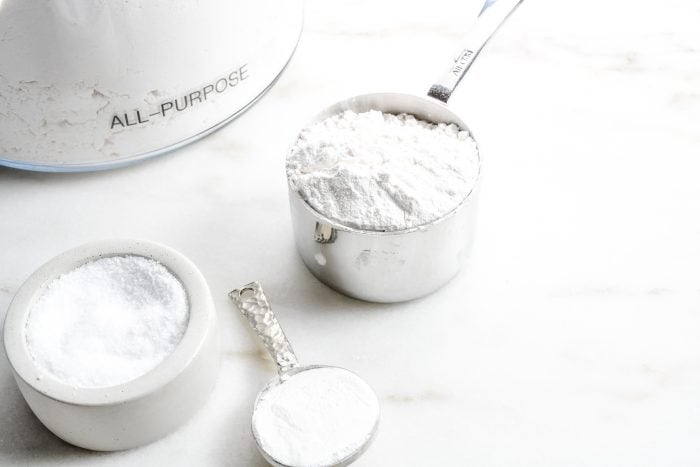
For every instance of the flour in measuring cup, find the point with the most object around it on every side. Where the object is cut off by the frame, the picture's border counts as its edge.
(383, 172)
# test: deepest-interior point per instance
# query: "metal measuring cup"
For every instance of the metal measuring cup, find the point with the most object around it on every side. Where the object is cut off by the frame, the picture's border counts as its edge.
(394, 266)
(323, 446)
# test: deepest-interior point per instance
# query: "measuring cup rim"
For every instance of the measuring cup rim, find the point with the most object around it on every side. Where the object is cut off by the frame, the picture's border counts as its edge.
(341, 106)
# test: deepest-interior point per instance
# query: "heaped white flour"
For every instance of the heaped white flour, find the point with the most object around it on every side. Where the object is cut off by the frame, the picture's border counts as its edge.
(383, 172)
(107, 322)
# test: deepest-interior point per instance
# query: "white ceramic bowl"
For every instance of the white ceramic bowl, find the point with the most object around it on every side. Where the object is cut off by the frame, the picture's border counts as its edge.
(139, 411)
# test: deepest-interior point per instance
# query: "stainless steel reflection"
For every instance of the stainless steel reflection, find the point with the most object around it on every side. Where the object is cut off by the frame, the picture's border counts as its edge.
(398, 265)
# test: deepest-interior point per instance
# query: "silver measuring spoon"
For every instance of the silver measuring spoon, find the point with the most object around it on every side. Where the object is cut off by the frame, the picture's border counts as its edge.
(307, 415)
(405, 264)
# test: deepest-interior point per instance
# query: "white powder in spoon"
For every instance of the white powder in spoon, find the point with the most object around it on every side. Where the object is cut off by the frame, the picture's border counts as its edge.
(383, 172)
(107, 322)
(317, 417)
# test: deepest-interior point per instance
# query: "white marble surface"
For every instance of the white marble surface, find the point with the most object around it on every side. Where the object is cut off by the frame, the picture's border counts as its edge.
(572, 338)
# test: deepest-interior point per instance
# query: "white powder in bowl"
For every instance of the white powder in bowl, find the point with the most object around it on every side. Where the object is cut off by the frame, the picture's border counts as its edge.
(383, 172)
(316, 418)
(107, 322)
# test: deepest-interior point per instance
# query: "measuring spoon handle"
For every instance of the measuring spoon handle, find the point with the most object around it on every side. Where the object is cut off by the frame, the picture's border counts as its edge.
(252, 303)
(493, 14)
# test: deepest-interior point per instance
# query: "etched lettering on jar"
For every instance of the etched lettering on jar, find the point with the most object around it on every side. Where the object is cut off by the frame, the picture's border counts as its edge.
(183, 102)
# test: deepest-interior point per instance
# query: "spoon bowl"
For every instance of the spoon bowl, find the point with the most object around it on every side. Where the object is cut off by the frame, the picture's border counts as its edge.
(314, 415)
(290, 393)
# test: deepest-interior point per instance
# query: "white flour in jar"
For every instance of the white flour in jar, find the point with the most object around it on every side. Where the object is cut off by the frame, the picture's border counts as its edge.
(317, 417)
(95, 82)
(383, 172)
(107, 322)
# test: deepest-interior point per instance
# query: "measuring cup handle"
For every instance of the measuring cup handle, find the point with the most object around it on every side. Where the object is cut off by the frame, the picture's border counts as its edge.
(252, 303)
(493, 14)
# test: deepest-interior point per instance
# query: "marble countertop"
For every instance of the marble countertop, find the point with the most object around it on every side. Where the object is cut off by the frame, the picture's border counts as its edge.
(570, 339)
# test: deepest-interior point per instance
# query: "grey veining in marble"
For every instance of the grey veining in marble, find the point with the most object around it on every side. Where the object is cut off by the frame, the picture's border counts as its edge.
(572, 337)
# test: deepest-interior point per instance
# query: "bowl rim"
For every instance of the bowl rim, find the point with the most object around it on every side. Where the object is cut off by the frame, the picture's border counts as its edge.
(347, 104)
(201, 315)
